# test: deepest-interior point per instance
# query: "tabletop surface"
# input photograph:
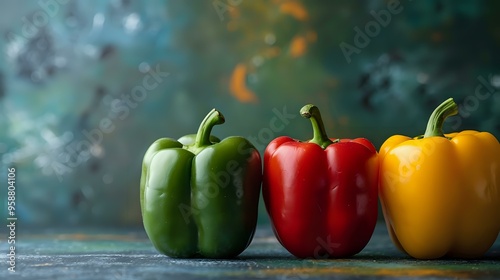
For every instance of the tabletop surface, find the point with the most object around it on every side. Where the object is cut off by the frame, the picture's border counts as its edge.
(128, 254)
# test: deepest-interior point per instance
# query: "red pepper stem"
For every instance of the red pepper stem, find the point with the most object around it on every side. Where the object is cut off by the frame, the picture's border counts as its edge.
(435, 125)
(202, 140)
(319, 134)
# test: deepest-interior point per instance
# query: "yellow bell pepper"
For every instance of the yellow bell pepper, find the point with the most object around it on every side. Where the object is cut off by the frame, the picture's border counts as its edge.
(440, 193)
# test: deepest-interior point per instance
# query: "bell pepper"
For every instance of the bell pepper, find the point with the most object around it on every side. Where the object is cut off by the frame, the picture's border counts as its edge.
(440, 193)
(321, 195)
(199, 196)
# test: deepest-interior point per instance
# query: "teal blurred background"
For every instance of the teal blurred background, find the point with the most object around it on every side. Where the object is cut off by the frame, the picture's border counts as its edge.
(87, 86)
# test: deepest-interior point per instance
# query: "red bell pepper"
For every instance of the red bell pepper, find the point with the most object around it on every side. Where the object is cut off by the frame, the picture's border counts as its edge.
(321, 195)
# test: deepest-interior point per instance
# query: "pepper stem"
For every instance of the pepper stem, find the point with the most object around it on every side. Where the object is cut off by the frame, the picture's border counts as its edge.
(319, 134)
(435, 124)
(202, 140)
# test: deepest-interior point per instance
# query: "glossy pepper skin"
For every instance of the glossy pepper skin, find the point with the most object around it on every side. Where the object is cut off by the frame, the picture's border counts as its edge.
(321, 195)
(199, 196)
(440, 192)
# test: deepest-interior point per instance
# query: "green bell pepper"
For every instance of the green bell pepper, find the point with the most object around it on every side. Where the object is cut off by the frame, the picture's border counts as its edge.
(199, 196)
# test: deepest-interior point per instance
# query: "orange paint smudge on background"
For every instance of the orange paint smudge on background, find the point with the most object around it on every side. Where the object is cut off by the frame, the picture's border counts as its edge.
(295, 9)
(238, 87)
(298, 46)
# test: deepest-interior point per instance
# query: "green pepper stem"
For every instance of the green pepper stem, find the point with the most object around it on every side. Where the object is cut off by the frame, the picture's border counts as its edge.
(435, 125)
(213, 118)
(319, 134)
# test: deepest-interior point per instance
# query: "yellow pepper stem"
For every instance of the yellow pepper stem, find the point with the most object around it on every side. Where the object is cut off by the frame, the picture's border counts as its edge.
(435, 124)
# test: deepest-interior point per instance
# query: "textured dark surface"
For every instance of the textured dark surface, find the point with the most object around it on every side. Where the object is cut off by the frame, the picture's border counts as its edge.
(128, 254)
